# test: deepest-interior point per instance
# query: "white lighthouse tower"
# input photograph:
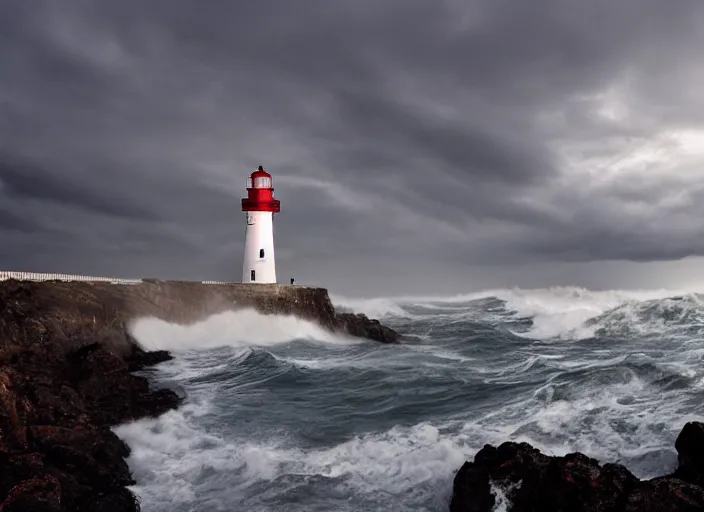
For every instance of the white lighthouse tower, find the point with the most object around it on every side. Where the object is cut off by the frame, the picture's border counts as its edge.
(260, 206)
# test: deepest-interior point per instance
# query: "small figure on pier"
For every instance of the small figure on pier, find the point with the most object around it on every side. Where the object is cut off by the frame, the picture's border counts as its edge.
(292, 280)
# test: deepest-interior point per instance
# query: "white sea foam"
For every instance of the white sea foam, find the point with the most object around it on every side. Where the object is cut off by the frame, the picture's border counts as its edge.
(440, 353)
(361, 362)
(501, 492)
(677, 317)
(563, 311)
(169, 453)
(374, 308)
(241, 328)
(176, 461)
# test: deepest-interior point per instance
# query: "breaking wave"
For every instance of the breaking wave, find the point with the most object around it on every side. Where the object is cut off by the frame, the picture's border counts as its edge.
(558, 312)
(678, 315)
(241, 328)
(282, 415)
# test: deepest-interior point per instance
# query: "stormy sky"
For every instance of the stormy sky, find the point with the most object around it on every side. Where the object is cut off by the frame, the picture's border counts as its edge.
(433, 146)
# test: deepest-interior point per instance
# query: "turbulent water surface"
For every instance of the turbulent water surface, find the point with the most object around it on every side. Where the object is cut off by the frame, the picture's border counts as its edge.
(283, 416)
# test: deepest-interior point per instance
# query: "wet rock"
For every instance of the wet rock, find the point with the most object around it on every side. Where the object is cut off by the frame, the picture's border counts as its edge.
(57, 451)
(666, 495)
(361, 326)
(472, 489)
(38, 494)
(139, 359)
(117, 500)
(93, 451)
(539, 482)
(111, 393)
(690, 453)
(533, 481)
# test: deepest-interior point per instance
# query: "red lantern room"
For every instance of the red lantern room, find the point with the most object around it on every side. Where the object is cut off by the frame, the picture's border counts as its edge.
(260, 193)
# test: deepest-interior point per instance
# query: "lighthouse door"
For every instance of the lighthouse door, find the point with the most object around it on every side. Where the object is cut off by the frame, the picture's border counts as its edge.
(251, 275)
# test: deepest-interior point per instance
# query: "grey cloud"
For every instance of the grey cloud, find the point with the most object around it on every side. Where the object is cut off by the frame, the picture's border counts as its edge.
(11, 222)
(31, 182)
(468, 149)
(129, 127)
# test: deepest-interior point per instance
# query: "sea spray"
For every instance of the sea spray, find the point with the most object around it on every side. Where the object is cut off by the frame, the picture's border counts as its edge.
(240, 328)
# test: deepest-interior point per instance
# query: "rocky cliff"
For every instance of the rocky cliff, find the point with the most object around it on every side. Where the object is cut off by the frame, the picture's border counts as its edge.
(66, 363)
(57, 451)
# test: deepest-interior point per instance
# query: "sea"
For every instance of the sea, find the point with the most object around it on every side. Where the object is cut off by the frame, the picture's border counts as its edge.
(281, 415)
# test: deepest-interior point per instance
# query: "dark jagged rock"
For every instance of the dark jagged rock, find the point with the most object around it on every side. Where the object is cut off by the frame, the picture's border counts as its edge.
(362, 326)
(37, 494)
(665, 495)
(139, 359)
(690, 453)
(532, 481)
(57, 451)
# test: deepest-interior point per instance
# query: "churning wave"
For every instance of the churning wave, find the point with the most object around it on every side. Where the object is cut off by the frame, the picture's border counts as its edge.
(559, 312)
(283, 415)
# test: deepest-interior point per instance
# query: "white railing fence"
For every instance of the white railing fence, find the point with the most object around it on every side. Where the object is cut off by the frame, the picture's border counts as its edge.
(38, 276)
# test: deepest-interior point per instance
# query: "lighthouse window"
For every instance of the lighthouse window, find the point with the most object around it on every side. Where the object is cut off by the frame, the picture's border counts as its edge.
(263, 182)
(261, 253)
(251, 275)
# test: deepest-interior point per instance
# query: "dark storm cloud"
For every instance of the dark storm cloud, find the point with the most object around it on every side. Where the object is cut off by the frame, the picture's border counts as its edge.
(28, 181)
(399, 133)
(465, 146)
(11, 222)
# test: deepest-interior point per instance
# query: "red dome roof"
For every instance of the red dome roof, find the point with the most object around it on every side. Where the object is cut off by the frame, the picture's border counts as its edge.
(260, 173)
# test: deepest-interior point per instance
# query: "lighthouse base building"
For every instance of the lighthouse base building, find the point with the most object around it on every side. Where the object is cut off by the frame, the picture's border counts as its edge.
(259, 264)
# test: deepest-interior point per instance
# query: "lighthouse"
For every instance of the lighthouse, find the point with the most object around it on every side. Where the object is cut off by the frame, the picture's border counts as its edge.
(259, 207)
